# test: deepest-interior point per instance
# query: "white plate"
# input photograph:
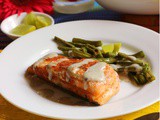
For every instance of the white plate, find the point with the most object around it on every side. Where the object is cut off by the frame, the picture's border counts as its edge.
(20, 54)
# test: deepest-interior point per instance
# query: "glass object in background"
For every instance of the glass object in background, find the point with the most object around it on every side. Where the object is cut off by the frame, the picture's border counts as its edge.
(68, 7)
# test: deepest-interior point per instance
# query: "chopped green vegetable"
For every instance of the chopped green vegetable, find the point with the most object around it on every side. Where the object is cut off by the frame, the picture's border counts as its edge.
(30, 23)
(41, 21)
(108, 48)
(29, 19)
(23, 29)
(117, 47)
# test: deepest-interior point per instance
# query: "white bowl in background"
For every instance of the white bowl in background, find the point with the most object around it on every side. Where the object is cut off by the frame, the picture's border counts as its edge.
(14, 20)
(147, 7)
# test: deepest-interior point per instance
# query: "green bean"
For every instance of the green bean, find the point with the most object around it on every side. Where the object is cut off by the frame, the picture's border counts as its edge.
(62, 42)
(123, 55)
(107, 60)
(138, 61)
(146, 67)
(65, 53)
(92, 46)
(96, 52)
(80, 54)
(110, 54)
(126, 70)
(141, 79)
(131, 69)
(110, 60)
(134, 60)
(152, 76)
(79, 40)
(124, 63)
(149, 76)
(78, 44)
(63, 48)
(120, 69)
(99, 55)
(91, 51)
(139, 54)
(84, 49)
(134, 78)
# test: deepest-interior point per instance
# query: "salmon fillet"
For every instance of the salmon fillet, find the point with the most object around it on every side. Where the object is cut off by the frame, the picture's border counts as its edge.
(88, 78)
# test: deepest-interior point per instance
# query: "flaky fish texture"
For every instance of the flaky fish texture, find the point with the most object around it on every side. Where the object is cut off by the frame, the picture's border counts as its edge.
(90, 79)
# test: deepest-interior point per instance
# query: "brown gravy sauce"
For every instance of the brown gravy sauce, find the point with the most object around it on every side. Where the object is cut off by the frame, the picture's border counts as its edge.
(55, 93)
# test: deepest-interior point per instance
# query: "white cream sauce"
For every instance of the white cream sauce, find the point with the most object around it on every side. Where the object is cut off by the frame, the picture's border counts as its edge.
(49, 66)
(56, 62)
(96, 72)
(137, 66)
(115, 67)
(132, 57)
(75, 67)
(50, 55)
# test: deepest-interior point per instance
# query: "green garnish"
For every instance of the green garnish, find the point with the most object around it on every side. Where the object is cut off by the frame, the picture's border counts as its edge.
(23, 29)
(108, 48)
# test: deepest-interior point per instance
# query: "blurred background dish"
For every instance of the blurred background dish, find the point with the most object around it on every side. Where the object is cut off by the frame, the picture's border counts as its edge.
(147, 7)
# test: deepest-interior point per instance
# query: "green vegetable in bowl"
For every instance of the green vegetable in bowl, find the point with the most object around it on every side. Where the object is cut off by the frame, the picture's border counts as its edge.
(23, 29)
(41, 21)
(30, 23)
(29, 19)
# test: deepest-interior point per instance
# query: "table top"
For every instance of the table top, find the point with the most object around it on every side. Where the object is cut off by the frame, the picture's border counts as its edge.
(10, 112)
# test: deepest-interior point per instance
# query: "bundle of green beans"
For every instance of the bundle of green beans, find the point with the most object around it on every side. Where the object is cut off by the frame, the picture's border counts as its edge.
(132, 65)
